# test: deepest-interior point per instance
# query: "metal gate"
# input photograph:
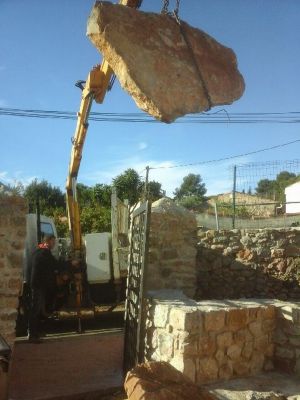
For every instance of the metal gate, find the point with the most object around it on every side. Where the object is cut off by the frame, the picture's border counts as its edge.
(119, 236)
(136, 283)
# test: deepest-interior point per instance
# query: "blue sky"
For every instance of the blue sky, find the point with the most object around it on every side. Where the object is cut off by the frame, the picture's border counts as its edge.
(44, 50)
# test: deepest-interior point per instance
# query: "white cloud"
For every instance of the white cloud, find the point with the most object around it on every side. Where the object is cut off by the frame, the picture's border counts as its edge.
(18, 177)
(3, 174)
(142, 145)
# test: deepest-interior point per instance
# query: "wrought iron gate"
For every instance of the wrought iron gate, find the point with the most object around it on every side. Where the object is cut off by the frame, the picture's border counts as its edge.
(136, 282)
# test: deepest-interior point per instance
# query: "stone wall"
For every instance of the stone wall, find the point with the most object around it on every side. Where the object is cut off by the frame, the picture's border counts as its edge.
(208, 341)
(287, 338)
(172, 248)
(12, 236)
(248, 263)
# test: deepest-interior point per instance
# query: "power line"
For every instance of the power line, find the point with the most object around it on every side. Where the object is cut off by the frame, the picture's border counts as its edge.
(218, 117)
(228, 158)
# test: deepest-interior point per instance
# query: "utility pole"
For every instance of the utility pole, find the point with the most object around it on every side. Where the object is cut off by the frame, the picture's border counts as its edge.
(146, 183)
(38, 219)
(233, 197)
(217, 217)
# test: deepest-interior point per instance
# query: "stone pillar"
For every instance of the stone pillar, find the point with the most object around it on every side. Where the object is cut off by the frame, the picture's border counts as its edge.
(12, 236)
(172, 248)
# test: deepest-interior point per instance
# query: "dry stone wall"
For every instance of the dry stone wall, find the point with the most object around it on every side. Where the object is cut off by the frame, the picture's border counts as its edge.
(248, 263)
(209, 341)
(172, 248)
(12, 236)
(287, 338)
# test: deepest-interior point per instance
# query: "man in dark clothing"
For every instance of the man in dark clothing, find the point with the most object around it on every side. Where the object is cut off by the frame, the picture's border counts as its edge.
(45, 267)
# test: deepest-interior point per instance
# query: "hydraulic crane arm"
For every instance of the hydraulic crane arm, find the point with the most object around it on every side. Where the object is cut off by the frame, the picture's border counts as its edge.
(95, 88)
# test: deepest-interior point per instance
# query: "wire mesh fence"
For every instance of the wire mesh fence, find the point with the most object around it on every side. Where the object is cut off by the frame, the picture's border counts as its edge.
(263, 195)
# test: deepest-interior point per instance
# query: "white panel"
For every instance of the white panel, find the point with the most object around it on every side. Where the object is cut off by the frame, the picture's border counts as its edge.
(292, 193)
(98, 257)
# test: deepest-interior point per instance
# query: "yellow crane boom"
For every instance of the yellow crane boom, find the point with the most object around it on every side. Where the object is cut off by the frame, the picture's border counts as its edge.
(95, 88)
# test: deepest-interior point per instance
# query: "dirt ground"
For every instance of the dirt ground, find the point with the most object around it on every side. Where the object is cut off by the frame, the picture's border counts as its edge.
(84, 366)
(257, 387)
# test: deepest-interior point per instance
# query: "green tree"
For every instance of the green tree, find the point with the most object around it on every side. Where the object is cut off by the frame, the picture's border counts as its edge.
(61, 222)
(129, 186)
(50, 197)
(102, 194)
(85, 195)
(191, 192)
(274, 189)
(95, 219)
(155, 191)
(266, 188)
(284, 179)
(192, 202)
(192, 185)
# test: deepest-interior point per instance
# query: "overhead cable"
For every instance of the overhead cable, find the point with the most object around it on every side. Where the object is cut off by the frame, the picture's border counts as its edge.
(218, 117)
(227, 158)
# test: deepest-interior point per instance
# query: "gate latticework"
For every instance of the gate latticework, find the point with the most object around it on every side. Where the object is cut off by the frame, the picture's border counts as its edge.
(136, 283)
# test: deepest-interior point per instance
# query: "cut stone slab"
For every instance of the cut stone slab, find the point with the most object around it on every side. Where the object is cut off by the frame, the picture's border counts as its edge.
(154, 64)
(161, 381)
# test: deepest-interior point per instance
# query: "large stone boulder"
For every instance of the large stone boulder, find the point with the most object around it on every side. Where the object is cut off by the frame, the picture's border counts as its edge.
(161, 381)
(155, 65)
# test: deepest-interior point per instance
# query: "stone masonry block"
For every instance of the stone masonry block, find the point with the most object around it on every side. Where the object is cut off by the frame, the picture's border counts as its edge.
(255, 328)
(221, 357)
(268, 312)
(161, 314)
(226, 371)
(243, 336)
(236, 319)
(224, 340)
(248, 350)
(185, 318)
(257, 362)
(214, 320)
(165, 346)
(207, 345)
(234, 352)
(241, 367)
(261, 343)
(207, 370)
(285, 352)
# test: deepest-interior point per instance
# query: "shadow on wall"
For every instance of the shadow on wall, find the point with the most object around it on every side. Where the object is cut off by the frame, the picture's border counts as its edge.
(232, 266)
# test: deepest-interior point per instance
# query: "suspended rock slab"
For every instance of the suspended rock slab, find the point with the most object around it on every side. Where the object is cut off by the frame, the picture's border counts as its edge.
(169, 69)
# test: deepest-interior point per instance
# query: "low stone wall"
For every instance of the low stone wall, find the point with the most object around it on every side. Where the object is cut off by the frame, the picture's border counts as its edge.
(12, 237)
(209, 341)
(248, 263)
(172, 248)
(287, 338)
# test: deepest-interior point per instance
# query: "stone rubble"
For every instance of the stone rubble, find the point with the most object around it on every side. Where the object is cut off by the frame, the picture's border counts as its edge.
(248, 263)
(153, 63)
(262, 396)
(161, 381)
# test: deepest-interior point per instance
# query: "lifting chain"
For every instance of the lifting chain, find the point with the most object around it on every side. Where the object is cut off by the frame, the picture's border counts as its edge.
(165, 7)
(196, 64)
(175, 14)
